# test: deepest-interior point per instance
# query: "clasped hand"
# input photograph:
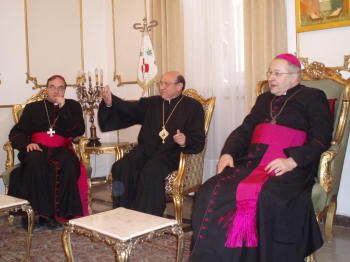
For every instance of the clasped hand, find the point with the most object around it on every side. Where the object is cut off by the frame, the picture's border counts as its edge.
(279, 166)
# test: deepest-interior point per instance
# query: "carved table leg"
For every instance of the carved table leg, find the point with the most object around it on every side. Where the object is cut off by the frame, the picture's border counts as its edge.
(67, 244)
(122, 251)
(177, 230)
(30, 215)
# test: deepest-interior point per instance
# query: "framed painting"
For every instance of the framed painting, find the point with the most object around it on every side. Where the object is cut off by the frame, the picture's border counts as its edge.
(321, 14)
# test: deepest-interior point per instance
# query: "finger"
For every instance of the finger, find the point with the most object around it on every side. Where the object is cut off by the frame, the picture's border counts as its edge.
(218, 169)
(279, 173)
(178, 131)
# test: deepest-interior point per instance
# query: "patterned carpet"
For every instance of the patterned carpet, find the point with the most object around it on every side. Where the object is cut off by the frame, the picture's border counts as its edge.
(47, 246)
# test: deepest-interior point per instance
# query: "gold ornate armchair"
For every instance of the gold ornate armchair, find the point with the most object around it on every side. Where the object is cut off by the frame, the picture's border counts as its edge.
(16, 114)
(325, 190)
(189, 175)
(10, 162)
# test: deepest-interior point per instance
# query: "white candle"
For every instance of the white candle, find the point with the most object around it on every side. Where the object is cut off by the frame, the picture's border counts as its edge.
(101, 77)
(96, 77)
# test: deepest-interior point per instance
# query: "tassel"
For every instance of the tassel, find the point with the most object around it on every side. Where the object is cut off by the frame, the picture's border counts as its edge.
(243, 229)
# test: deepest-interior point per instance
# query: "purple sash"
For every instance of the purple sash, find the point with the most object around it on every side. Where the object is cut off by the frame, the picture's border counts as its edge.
(243, 230)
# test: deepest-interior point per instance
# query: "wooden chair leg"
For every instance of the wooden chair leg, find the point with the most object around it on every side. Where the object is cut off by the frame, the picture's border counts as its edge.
(178, 205)
(311, 258)
(330, 219)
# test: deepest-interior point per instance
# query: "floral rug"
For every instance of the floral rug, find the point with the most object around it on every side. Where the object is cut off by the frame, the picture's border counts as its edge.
(47, 246)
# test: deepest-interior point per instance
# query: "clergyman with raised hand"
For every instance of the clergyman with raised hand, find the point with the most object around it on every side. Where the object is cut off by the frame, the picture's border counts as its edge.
(171, 123)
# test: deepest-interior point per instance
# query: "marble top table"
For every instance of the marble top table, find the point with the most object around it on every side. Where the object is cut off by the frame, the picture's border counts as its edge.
(122, 229)
(13, 204)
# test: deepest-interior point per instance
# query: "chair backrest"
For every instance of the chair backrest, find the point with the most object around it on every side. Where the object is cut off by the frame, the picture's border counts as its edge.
(335, 87)
(194, 162)
(17, 109)
(208, 106)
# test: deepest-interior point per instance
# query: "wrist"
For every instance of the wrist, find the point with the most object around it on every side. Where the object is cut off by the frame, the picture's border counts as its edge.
(292, 162)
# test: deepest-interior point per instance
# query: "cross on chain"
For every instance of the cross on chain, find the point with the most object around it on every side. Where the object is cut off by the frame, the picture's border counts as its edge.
(51, 132)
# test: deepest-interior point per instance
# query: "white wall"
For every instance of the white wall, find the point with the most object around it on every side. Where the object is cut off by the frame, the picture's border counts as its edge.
(98, 49)
(329, 47)
(98, 53)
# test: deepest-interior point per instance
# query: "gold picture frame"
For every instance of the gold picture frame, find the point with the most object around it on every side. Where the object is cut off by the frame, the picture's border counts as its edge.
(321, 14)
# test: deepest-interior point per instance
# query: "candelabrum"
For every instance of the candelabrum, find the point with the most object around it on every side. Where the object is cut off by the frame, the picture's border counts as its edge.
(89, 98)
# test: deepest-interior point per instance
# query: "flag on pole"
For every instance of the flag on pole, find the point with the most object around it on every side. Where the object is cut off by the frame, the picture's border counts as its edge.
(147, 69)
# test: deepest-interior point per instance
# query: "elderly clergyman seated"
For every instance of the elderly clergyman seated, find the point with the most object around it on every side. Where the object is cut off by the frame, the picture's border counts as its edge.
(258, 207)
(171, 123)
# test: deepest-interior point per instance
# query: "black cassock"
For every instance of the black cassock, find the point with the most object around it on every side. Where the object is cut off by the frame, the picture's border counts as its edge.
(139, 177)
(48, 179)
(285, 221)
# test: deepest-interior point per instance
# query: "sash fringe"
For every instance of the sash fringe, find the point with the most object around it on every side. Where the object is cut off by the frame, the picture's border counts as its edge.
(243, 228)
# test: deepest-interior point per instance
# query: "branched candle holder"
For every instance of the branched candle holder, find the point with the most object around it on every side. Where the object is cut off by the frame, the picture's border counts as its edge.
(89, 97)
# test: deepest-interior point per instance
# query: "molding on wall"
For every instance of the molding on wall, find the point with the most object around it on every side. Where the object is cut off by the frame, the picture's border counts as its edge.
(33, 79)
(6, 106)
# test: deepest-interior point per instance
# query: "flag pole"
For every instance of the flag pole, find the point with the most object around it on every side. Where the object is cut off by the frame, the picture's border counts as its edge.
(147, 70)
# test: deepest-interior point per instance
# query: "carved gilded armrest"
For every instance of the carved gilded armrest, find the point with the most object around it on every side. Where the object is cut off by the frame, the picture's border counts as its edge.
(325, 175)
(84, 157)
(124, 149)
(9, 155)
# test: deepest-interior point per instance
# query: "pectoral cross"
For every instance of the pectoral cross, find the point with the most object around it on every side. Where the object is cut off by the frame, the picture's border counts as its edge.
(51, 132)
(163, 134)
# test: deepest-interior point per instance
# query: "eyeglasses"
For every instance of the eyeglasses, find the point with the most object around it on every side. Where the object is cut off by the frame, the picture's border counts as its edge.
(166, 84)
(277, 74)
(57, 88)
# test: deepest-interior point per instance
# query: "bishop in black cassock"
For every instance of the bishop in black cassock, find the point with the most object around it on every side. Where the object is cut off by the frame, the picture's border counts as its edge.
(258, 207)
(171, 123)
(49, 171)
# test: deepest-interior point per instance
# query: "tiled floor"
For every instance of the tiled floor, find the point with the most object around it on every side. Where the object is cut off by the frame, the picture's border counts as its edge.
(338, 250)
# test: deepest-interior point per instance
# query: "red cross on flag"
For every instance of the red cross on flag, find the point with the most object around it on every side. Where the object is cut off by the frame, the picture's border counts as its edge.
(147, 69)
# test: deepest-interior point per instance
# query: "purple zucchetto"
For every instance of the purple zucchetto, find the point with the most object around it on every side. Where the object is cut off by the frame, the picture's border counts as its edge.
(290, 58)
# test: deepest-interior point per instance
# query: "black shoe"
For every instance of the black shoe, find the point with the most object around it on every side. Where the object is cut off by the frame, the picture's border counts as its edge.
(53, 225)
(43, 221)
(24, 222)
